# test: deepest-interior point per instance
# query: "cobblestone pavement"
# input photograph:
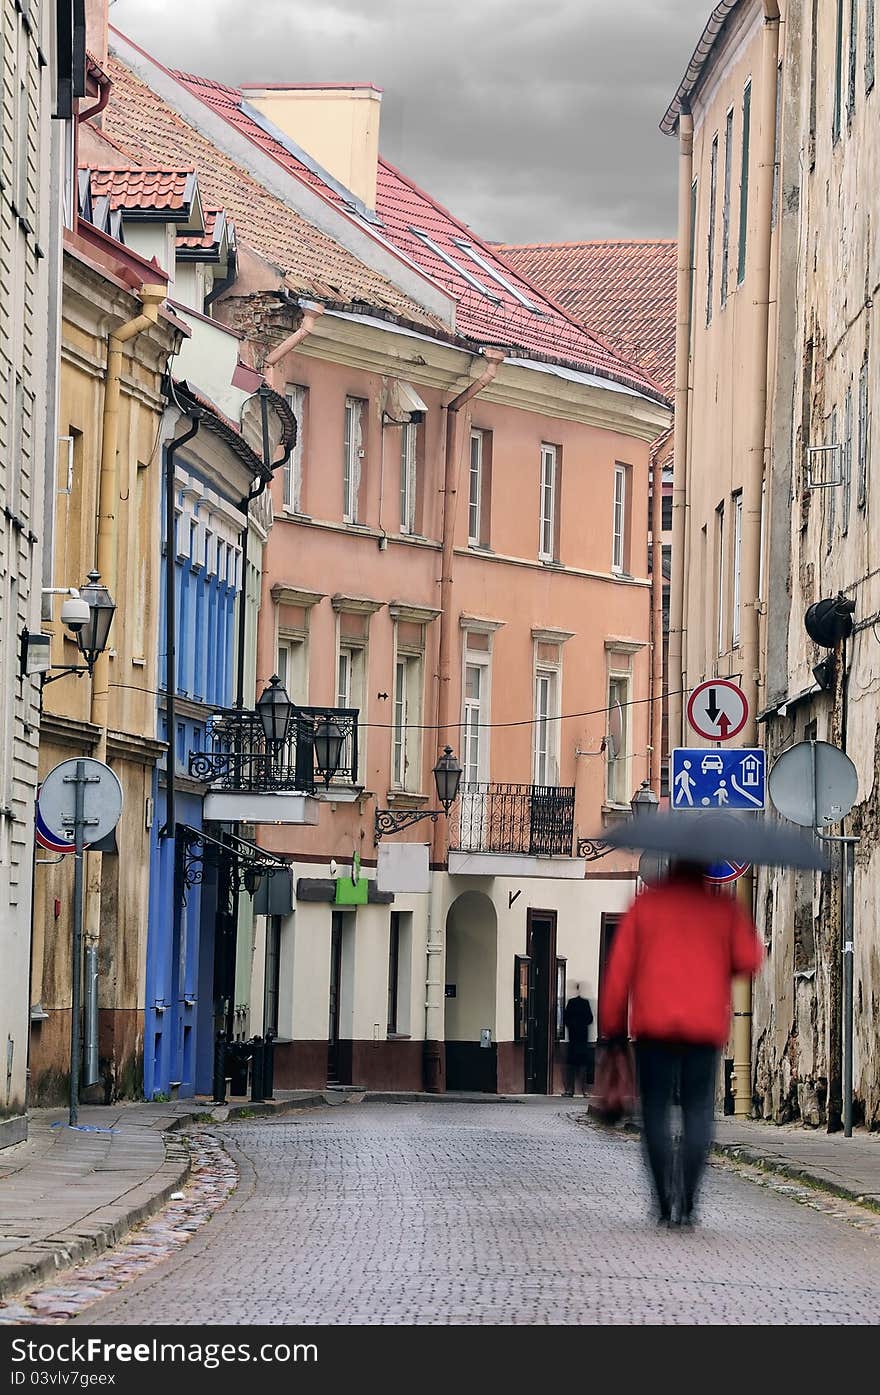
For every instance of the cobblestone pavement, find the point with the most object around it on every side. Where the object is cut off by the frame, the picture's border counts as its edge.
(411, 1214)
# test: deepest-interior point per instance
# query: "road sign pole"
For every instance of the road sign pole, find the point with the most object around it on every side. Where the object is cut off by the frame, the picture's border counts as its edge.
(79, 784)
(849, 857)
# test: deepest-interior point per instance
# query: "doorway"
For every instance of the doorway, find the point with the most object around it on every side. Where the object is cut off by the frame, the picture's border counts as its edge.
(541, 1015)
(335, 989)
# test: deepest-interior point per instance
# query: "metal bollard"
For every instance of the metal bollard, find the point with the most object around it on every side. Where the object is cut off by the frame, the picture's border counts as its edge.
(257, 1066)
(220, 1068)
(269, 1065)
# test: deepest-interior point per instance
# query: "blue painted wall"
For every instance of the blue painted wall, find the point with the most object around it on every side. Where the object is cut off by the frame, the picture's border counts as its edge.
(179, 1028)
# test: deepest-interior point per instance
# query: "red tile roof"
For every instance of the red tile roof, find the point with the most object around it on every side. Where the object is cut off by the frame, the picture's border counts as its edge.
(314, 264)
(625, 290)
(145, 189)
(212, 235)
(539, 328)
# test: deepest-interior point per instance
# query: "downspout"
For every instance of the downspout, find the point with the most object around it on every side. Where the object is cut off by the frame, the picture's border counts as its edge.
(675, 667)
(167, 829)
(433, 1062)
(751, 505)
(311, 312)
(151, 297)
(656, 761)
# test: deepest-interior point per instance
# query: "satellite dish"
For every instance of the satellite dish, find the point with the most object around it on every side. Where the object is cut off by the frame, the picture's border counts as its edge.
(813, 784)
(614, 735)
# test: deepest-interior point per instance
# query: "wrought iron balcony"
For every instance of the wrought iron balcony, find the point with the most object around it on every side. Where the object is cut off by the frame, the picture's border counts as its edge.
(238, 756)
(537, 820)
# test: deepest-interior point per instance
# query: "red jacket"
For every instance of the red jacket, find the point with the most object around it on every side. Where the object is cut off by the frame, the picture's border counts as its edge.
(672, 961)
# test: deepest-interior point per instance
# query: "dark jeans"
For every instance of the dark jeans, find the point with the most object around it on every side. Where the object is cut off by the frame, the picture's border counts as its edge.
(577, 1066)
(670, 1070)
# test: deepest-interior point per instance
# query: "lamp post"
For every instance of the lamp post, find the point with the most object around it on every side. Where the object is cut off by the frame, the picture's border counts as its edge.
(447, 778)
(644, 801)
(275, 710)
(88, 614)
(328, 741)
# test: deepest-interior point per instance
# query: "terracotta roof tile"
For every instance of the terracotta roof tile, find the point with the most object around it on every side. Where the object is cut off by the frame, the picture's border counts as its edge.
(623, 289)
(313, 263)
(539, 327)
(212, 235)
(145, 189)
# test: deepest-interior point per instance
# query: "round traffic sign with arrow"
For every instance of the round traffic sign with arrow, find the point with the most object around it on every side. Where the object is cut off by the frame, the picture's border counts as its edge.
(717, 709)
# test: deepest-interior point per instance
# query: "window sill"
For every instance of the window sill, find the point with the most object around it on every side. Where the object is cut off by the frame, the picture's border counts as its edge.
(398, 1036)
(407, 799)
(551, 562)
(613, 813)
(296, 515)
(480, 547)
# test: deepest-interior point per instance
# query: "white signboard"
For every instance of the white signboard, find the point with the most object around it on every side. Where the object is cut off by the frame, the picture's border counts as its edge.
(403, 867)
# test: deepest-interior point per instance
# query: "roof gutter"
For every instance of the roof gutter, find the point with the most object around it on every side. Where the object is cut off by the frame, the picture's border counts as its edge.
(686, 88)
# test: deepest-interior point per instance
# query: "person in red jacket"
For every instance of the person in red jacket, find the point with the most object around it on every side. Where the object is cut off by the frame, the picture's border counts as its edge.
(668, 985)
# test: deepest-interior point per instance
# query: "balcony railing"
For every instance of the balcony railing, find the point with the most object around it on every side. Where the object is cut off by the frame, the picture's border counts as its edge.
(537, 820)
(238, 756)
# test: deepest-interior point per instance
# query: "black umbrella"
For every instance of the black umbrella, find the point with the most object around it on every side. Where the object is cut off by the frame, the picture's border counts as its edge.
(709, 838)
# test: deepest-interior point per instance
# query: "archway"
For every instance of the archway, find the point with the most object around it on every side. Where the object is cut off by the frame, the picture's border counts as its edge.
(471, 979)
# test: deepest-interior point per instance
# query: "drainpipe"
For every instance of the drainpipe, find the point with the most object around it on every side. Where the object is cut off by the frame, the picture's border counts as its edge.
(167, 829)
(756, 405)
(151, 297)
(675, 667)
(433, 1064)
(656, 761)
(311, 312)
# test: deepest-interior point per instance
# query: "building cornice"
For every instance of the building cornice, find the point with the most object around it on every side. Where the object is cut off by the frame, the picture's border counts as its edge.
(544, 635)
(358, 605)
(418, 614)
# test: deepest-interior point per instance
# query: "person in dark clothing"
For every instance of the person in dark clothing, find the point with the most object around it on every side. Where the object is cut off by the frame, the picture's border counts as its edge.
(577, 1017)
(669, 976)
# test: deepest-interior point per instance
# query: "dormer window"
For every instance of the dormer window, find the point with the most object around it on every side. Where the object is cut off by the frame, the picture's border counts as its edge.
(479, 260)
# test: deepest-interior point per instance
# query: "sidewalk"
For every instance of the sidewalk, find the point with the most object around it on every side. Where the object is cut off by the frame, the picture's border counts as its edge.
(66, 1195)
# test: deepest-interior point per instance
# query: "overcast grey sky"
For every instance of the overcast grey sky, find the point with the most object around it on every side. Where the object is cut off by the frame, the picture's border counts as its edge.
(531, 119)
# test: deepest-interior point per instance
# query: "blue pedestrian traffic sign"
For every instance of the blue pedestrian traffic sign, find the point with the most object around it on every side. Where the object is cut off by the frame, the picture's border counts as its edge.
(701, 778)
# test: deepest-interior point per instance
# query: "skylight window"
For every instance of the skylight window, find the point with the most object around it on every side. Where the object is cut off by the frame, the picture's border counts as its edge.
(496, 275)
(456, 266)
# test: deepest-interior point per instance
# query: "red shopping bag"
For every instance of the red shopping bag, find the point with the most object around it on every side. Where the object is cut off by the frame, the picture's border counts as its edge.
(614, 1090)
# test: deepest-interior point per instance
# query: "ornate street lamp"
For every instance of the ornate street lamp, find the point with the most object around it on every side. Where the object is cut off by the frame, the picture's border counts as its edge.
(92, 638)
(275, 710)
(644, 801)
(328, 741)
(447, 777)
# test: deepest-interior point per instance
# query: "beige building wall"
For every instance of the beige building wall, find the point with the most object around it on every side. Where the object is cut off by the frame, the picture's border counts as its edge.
(824, 541)
(92, 301)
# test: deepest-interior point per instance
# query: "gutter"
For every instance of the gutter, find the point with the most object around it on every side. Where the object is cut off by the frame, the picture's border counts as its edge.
(680, 104)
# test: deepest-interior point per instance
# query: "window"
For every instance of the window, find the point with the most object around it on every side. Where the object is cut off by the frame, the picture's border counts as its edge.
(407, 735)
(352, 459)
(869, 45)
(864, 437)
(547, 544)
(617, 741)
(273, 974)
(725, 207)
(831, 494)
(475, 490)
(710, 250)
(737, 570)
(399, 973)
(666, 513)
(546, 770)
(846, 492)
(479, 260)
(350, 674)
(720, 578)
(409, 435)
(618, 537)
(851, 61)
(292, 667)
(296, 397)
(838, 73)
(475, 712)
(467, 276)
(744, 184)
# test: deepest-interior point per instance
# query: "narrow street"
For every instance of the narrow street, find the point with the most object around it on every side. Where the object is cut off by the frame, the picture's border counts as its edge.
(490, 1214)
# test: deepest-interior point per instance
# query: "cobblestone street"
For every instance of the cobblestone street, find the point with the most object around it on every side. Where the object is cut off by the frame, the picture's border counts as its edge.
(496, 1213)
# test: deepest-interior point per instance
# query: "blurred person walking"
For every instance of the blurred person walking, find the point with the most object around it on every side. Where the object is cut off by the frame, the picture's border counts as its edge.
(577, 1019)
(668, 985)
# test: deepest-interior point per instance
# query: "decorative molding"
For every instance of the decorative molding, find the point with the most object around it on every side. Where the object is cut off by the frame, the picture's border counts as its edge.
(480, 624)
(549, 635)
(418, 614)
(282, 594)
(358, 605)
(624, 646)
